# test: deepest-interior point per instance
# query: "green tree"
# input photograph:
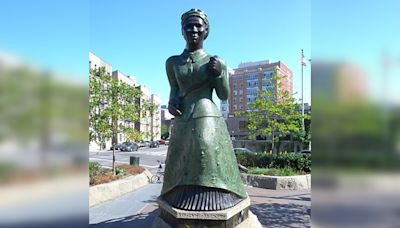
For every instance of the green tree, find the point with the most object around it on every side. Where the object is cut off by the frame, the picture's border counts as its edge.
(133, 135)
(149, 109)
(164, 131)
(113, 108)
(275, 113)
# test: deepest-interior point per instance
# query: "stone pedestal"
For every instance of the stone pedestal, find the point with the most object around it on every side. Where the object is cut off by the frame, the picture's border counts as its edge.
(238, 216)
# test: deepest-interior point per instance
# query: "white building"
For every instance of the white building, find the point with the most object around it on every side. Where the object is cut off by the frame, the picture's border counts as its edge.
(131, 81)
(149, 123)
(94, 63)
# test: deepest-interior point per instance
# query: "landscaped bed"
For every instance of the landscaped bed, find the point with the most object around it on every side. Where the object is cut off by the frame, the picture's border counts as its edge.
(281, 171)
(282, 164)
(99, 175)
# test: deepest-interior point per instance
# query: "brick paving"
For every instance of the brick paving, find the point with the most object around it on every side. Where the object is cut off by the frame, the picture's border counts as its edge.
(273, 208)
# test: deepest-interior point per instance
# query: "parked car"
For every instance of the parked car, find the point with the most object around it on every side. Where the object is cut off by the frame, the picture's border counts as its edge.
(129, 146)
(154, 144)
(243, 150)
(117, 146)
(161, 142)
(146, 143)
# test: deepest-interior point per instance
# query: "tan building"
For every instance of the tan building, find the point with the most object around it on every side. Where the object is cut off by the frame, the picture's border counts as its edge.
(150, 123)
(250, 78)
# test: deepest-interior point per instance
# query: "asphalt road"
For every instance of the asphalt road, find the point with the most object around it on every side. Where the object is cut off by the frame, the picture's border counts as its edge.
(147, 157)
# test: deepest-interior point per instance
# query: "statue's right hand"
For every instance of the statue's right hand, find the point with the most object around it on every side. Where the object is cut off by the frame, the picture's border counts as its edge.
(173, 107)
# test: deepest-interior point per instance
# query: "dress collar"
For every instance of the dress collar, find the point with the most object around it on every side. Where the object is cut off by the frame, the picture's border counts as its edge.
(195, 55)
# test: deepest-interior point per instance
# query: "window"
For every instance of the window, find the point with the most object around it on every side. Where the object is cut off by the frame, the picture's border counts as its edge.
(252, 91)
(252, 76)
(234, 107)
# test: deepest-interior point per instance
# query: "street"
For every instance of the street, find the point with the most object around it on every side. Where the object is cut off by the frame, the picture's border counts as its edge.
(148, 157)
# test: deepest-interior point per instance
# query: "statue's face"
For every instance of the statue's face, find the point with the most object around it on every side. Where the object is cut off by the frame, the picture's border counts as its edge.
(194, 30)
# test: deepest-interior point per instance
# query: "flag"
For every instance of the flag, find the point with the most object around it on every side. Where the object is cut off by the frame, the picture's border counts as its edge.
(303, 61)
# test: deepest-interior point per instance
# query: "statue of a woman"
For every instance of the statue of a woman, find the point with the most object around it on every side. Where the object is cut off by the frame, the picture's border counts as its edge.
(201, 170)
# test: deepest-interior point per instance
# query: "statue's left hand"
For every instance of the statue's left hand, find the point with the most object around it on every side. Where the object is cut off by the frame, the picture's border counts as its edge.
(214, 67)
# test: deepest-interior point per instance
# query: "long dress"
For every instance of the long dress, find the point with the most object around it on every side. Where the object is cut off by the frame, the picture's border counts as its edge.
(201, 170)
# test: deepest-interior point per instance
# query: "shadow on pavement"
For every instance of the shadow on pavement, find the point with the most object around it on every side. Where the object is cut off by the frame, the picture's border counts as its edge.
(282, 215)
(139, 220)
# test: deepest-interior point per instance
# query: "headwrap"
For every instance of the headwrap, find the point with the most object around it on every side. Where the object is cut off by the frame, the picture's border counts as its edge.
(196, 13)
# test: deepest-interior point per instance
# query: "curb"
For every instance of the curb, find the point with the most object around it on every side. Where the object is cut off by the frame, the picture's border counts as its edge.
(300, 182)
(104, 192)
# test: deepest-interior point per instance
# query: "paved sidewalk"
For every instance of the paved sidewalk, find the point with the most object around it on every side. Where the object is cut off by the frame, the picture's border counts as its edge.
(135, 209)
(139, 208)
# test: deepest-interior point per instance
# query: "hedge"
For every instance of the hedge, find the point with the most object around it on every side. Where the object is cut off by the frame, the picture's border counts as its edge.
(298, 162)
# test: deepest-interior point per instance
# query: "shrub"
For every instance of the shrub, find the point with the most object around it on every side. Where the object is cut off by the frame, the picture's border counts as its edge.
(94, 170)
(297, 162)
(120, 171)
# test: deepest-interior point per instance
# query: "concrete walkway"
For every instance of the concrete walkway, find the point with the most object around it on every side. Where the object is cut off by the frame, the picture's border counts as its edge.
(139, 208)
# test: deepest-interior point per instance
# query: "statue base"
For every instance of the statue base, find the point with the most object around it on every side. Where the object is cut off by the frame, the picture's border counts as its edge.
(238, 216)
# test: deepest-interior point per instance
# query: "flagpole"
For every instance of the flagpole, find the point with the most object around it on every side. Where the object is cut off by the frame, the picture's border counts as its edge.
(302, 95)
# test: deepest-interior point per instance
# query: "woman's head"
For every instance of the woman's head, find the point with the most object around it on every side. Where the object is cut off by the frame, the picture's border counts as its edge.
(195, 27)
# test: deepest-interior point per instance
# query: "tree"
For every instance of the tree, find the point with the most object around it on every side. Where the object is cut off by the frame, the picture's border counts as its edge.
(113, 108)
(274, 113)
(149, 107)
(164, 131)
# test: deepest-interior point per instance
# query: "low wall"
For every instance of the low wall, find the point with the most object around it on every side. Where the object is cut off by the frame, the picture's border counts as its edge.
(301, 182)
(104, 192)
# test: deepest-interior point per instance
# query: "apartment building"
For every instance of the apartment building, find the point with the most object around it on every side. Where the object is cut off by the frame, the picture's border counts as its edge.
(131, 81)
(150, 121)
(94, 63)
(250, 78)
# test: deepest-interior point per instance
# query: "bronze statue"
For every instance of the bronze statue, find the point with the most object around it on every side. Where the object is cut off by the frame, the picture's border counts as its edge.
(201, 172)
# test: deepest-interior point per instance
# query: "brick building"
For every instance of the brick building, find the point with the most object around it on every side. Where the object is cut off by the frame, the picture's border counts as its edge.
(250, 78)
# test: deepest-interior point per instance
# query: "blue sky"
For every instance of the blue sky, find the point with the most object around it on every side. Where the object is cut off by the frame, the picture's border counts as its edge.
(137, 38)
(51, 34)
(360, 32)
